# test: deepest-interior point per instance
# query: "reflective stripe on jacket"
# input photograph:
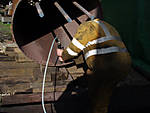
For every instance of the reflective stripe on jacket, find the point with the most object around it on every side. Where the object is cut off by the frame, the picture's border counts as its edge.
(94, 38)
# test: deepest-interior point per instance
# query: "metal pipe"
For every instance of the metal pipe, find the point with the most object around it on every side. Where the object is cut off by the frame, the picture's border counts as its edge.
(84, 10)
(63, 12)
(39, 10)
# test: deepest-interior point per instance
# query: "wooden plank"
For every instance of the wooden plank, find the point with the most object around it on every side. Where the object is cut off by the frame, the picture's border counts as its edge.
(20, 79)
(14, 65)
(28, 98)
(7, 58)
(16, 72)
(75, 70)
(26, 109)
(35, 87)
(6, 19)
(15, 88)
(20, 56)
(16, 80)
(49, 87)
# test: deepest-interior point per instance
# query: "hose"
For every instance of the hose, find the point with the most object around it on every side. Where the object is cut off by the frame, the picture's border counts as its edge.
(45, 72)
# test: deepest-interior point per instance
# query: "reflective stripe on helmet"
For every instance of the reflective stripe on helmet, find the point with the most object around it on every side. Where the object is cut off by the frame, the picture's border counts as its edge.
(102, 39)
(78, 44)
(70, 52)
(104, 51)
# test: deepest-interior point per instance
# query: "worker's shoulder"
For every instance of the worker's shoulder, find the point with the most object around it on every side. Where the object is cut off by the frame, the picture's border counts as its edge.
(85, 26)
(86, 23)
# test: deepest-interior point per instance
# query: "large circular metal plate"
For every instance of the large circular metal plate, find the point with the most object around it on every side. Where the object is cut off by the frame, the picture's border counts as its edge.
(34, 35)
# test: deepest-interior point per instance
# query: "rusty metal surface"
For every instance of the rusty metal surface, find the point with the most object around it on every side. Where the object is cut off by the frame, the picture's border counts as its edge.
(41, 54)
(34, 35)
(14, 5)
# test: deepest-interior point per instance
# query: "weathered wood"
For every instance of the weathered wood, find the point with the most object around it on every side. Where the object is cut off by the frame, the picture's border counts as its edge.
(15, 88)
(75, 70)
(6, 19)
(16, 80)
(20, 57)
(31, 86)
(16, 72)
(28, 98)
(49, 87)
(26, 109)
(7, 58)
(13, 53)
(20, 77)
(24, 76)
(16, 65)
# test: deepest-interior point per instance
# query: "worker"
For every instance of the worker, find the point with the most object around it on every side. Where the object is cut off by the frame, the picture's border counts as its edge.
(106, 57)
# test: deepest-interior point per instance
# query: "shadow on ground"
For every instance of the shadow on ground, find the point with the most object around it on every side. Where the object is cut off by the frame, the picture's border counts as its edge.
(75, 98)
(125, 99)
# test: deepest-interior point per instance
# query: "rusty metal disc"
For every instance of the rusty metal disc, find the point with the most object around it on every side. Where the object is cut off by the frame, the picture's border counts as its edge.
(34, 35)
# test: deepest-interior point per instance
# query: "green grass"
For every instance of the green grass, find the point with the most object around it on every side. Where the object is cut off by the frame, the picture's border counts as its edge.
(5, 29)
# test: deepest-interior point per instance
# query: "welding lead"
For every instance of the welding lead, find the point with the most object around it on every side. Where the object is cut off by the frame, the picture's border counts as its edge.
(63, 12)
(39, 10)
(84, 10)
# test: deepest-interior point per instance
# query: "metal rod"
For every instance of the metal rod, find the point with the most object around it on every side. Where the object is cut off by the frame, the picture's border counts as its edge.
(84, 10)
(39, 9)
(63, 12)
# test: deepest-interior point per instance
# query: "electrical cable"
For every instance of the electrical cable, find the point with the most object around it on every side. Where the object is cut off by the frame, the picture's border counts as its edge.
(45, 72)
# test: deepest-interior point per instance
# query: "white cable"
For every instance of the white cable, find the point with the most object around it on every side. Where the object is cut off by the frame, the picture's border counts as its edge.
(45, 71)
